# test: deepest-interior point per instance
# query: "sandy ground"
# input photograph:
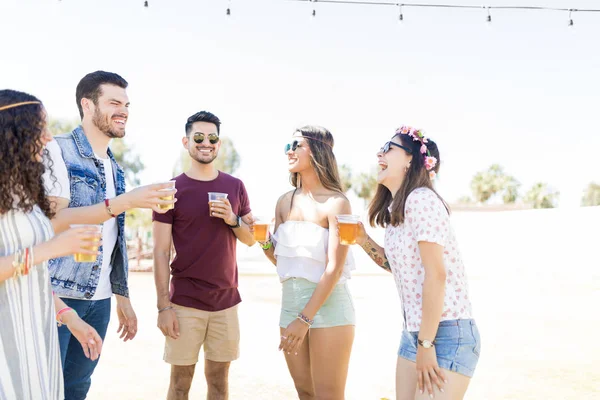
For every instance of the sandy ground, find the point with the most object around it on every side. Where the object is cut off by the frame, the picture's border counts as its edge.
(535, 290)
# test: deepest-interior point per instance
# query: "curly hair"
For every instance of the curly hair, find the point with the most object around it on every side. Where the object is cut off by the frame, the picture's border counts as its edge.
(21, 182)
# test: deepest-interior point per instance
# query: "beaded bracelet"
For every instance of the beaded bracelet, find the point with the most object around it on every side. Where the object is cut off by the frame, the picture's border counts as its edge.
(305, 319)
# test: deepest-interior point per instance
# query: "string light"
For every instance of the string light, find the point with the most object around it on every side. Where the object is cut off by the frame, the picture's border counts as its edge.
(146, 4)
(570, 19)
(314, 11)
(228, 12)
(461, 6)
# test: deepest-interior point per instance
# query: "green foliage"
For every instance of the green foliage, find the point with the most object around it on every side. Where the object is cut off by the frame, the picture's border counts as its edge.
(365, 184)
(345, 177)
(541, 196)
(486, 184)
(58, 126)
(592, 195)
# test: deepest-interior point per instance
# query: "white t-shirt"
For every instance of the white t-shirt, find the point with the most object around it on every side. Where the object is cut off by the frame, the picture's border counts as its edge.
(426, 220)
(110, 230)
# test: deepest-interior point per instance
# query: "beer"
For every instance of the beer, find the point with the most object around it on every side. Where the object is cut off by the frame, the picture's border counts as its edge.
(348, 229)
(167, 198)
(86, 257)
(261, 232)
(94, 241)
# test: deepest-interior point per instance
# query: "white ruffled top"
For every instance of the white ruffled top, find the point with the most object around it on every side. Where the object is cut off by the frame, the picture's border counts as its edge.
(301, 252)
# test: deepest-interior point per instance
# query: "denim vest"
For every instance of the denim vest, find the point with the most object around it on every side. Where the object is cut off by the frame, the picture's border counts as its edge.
(88, 187)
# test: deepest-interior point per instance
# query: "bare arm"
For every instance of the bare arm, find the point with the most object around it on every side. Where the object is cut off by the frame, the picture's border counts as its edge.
(243, 233)
(270, 252)
(336, 257)
(377, 253)
(142, 197)
(162, 236)
(434, 288)
(75, 240)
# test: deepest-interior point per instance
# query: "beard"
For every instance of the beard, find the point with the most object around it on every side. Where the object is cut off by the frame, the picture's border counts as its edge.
(103, 123)
(203, 159)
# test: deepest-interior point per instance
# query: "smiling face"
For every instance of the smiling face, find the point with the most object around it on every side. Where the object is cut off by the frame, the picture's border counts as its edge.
(110, 112)
(393, 165)
(298, 159)
(204, 152)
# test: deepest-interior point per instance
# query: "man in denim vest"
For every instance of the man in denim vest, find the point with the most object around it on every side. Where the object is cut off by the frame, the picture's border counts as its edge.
(88, 186)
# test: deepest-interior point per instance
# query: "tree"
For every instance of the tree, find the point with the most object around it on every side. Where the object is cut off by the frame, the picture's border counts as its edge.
(345, 177)
(58, 126)
(465, 200)
(365, 185)
(486, 184)
(542, 196)
(131, 163)
(227, 161)
(592, 195)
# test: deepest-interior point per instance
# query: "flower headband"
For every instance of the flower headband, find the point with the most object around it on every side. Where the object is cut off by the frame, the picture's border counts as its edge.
(417, 136)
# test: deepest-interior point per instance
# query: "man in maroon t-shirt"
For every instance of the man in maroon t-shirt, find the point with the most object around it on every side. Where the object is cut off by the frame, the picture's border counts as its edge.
(200, 305)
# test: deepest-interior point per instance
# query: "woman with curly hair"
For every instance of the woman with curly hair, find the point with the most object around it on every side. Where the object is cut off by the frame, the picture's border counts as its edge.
(30, 366)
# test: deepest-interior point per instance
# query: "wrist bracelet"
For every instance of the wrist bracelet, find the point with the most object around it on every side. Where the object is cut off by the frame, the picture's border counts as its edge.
(305, 319)
(62, 311)
(108, 209)
(267, 245)
(165, 309)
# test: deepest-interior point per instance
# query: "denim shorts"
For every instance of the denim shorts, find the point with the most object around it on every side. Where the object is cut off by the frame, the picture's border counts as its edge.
(338, 309)
(457, 346)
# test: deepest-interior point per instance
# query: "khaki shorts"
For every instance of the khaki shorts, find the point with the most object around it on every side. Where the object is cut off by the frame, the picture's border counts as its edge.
(218, 331)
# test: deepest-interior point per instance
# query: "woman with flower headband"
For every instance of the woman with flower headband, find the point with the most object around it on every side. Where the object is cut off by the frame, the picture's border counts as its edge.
(30, 366)
(440, 343)
(317, 313)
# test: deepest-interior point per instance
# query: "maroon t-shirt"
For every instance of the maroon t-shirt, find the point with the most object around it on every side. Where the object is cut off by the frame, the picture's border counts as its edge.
(204, 271)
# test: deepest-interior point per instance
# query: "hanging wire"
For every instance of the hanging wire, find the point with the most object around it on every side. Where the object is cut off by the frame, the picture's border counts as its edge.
(380, 3)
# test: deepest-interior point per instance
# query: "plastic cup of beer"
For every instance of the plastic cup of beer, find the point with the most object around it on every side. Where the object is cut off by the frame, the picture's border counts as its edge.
(170, 197)
(95, 234)
(216, 197)
(348, 228)
(261, 229)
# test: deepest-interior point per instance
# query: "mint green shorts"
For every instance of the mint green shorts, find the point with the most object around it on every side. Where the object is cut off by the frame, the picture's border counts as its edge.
(338, 309)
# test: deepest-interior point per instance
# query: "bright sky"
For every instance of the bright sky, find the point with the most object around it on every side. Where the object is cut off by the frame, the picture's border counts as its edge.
(523, 91)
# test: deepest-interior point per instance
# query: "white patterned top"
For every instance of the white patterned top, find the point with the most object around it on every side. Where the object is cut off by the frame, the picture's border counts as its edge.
(426, 220)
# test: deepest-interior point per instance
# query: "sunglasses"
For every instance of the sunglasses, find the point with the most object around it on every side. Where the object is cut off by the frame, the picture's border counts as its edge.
(213, 138)
(292, 146)
(295, 144)
(386, 147)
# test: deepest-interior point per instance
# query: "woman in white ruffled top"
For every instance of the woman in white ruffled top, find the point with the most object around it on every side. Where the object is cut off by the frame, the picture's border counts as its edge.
(317, 313)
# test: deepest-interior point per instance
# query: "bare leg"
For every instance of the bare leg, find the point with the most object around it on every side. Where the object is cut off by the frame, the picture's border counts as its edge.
(217, 379)
(299, 366)
(181, 381)
(330, 350)
(406, 383)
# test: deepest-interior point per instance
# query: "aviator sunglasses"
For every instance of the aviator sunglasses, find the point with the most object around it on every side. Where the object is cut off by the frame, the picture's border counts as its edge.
(295, 144)
(386, 147)
(213, 138)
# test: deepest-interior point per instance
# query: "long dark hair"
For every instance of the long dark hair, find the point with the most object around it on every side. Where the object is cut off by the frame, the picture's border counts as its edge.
(416, 177)
(322, 158)
(21, 183)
